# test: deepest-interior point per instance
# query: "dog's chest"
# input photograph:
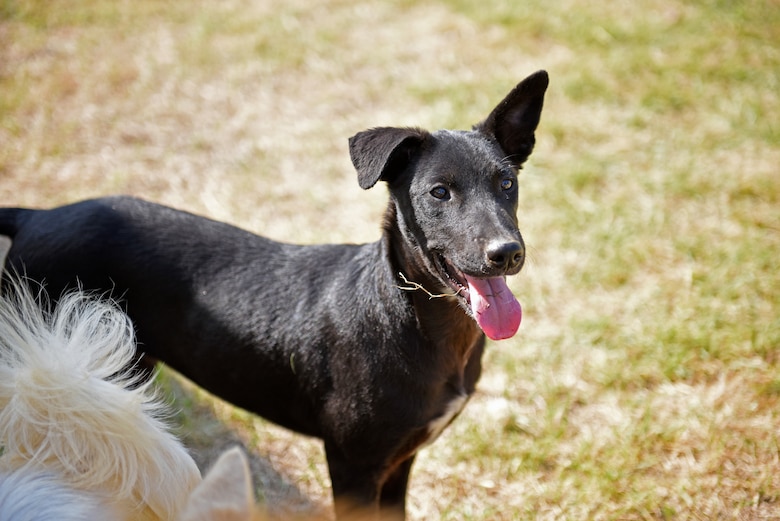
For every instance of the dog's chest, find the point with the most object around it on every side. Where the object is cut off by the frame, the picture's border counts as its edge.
(438, 424)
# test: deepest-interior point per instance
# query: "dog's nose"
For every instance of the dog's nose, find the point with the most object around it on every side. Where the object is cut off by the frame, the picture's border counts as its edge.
(506, 256)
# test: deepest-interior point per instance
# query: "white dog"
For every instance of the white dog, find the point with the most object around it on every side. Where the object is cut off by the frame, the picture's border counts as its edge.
(83, 439)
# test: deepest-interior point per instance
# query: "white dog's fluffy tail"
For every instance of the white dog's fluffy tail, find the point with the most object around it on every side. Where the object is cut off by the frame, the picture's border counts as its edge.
(69, 407)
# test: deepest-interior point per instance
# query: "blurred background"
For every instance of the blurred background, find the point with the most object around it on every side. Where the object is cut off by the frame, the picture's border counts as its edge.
(644, 381)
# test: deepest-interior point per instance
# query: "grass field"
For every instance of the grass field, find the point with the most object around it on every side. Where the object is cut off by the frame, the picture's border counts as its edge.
(645, 380)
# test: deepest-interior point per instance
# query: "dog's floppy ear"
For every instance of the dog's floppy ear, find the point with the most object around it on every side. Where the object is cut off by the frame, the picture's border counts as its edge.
(513, 122)
(384, 152)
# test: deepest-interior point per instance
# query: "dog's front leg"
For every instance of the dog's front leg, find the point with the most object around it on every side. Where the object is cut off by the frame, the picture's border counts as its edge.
(355, 491)
(357, 488)
(392, 500)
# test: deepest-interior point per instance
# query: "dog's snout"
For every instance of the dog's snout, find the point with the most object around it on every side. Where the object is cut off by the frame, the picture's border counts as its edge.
(506, 256)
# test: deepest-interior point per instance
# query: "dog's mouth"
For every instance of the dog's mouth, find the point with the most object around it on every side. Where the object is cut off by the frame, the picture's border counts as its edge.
(454, 278)
(489, 299)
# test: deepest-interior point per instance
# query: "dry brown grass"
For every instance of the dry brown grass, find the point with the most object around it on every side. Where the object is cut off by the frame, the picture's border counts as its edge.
(644, 382)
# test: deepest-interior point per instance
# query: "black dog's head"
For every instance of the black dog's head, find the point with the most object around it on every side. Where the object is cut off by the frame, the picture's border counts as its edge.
(455, 199)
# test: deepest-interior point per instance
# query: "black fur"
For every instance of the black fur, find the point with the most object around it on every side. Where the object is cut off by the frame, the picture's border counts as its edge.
(319, 339)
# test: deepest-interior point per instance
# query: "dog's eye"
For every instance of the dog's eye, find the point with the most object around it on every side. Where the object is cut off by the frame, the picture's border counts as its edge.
(440, 193)
(507, 184)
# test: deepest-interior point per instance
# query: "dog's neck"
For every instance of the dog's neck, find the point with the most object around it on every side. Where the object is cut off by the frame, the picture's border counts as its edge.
(439, 314)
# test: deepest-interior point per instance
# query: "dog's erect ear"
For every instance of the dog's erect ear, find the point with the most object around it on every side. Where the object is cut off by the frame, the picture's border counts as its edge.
(513, 122)
(225, 493)
(382, 153)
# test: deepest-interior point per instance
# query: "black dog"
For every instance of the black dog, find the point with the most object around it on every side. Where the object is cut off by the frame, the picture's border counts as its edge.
(350, 343)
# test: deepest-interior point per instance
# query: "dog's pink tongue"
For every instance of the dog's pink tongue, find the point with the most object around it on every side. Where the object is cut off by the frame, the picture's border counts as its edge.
(496, 309)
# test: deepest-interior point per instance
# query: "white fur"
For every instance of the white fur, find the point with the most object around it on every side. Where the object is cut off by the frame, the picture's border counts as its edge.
(70, 409)
(26, 496)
